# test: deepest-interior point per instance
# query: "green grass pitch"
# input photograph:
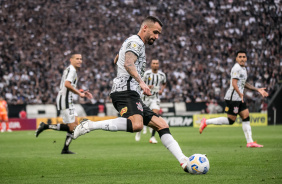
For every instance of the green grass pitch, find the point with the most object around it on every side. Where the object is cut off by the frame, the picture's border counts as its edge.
(115, 157)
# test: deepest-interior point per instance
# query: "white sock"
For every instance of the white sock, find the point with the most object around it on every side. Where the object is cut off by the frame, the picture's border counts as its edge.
(118, 124)
(218, 121)
(55, 127)
(247, 131)
(171, 144)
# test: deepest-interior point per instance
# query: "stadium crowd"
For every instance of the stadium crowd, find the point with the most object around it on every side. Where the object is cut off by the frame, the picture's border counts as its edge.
(196, 48)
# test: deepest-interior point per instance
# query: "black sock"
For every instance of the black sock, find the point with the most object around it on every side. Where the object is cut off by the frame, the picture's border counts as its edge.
(46, 126)
(59, 127)
(67, 141)
(129, 126)
(163, 131)
(65, 127)
(153, 133)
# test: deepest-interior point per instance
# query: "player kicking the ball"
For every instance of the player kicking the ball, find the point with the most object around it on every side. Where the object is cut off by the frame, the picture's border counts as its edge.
(235, 102)
(125, 94)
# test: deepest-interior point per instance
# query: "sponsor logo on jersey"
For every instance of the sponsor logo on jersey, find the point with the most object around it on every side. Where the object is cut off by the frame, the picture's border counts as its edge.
(236, 109)
(133, 46)
(123, 111)
(139, 106)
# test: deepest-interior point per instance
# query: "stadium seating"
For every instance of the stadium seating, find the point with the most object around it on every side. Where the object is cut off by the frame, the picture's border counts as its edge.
(196, 48)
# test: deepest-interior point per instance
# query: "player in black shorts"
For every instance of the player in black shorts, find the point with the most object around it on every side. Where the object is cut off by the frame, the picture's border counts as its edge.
(235, 102)
(126, 90)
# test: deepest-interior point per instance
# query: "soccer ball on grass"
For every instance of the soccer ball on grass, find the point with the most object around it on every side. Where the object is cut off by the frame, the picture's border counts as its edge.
(198, 164)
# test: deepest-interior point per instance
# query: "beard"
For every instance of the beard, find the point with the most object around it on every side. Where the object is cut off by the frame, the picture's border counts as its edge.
(151, 41)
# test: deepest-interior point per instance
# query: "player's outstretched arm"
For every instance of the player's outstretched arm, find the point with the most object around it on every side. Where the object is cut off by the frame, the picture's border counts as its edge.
(263, 92)
(87, 94)
(82, 94)
(260, 90)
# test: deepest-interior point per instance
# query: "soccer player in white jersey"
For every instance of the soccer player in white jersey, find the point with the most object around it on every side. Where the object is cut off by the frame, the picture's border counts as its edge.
(234, 99)
(156, 81)
(126, 91)
(65, 102)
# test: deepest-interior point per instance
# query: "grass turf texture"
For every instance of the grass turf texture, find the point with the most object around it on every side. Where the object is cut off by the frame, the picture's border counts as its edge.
(115, 157)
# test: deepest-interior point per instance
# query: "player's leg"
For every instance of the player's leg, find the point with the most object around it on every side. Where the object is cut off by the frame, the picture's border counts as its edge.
(152, 138)
(147, 102)
(130, 108)
(244, 114)
(231, 109)
(58, 127)
(2, 124)
(144, 129)
(70, 119)
(131, 124)
(69, 135)
(5, 116)
(159, 124)
(138, 136)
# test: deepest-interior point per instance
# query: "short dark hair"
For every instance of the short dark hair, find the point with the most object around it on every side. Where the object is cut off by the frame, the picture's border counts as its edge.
(155, 59)
(153, 19)
(74, 55)
(241, 51)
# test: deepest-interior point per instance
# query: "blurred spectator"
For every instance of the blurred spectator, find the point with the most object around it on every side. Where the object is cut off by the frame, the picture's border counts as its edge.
(263, 107)
(213, 107)
(22, 114)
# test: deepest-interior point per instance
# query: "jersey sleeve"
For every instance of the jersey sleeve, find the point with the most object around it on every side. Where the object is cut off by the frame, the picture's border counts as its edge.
(235, 73)
(134, 47)
(71, 76)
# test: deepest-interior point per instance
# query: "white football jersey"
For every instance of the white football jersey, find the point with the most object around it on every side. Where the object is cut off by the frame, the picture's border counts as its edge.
(123, 81)
(64, 97)
(155, 79)
(240, 73)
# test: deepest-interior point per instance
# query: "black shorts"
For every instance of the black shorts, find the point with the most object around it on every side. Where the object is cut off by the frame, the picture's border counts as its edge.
(129, 103)
(234, 107)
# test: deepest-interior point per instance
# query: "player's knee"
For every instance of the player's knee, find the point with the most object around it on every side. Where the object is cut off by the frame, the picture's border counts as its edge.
(137, 128)
(163, 126)
(246, 119)
(134, 126)
(231, 122)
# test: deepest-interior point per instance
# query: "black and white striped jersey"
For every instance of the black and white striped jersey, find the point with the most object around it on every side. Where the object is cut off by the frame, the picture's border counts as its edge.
(64, 98)
(123, 81)
(155, 79)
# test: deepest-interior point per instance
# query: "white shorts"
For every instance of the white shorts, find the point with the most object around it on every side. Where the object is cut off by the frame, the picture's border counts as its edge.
(68, 115)
(152, 103)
